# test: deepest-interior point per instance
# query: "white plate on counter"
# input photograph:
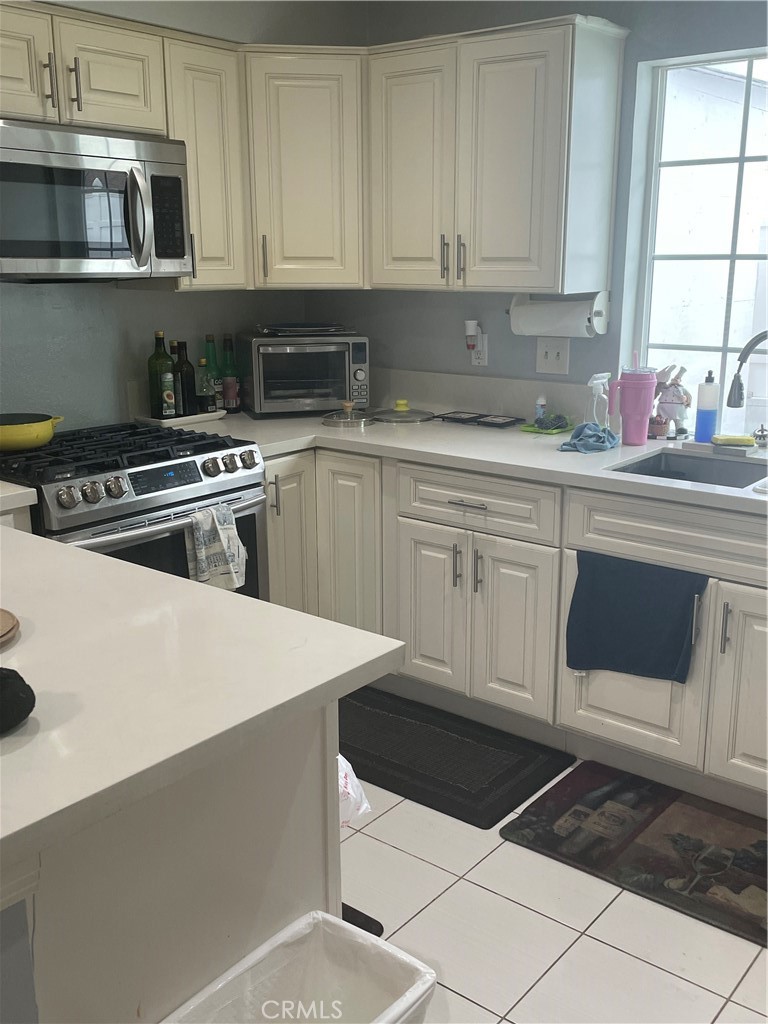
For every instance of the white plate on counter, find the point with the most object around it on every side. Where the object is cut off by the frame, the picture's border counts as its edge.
(183, 421)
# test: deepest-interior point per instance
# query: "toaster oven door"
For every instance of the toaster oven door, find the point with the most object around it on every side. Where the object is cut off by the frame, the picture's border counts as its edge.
(303, 377)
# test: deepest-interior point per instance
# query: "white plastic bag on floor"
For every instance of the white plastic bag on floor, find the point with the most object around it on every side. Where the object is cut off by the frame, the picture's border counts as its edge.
(353, 804)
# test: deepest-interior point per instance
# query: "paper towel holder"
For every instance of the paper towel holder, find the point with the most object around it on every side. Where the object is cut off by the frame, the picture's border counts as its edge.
(574, 318)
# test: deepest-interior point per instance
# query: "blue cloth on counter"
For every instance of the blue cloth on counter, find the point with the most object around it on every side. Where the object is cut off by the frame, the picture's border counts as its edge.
(590, 437)
(632, 617)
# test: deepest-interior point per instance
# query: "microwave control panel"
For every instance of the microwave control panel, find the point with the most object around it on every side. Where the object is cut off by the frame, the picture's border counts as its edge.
(168, 212)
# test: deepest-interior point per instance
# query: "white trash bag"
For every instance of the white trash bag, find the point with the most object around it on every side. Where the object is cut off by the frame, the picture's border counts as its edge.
(353, 804)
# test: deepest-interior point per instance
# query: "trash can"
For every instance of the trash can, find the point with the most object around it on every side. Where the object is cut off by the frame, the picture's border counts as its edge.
(317, 969)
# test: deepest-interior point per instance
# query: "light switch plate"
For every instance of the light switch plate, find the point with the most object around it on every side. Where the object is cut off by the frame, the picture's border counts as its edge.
(552, 355)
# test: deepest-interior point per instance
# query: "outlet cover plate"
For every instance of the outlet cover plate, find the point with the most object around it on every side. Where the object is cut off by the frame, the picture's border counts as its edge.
(479, 354)
(552, 355)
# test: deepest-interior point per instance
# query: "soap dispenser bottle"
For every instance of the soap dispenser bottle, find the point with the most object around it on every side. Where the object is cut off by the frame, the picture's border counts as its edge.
(706, 409)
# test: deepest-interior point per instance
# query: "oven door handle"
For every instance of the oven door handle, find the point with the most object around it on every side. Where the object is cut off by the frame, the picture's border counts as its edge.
(164, 529)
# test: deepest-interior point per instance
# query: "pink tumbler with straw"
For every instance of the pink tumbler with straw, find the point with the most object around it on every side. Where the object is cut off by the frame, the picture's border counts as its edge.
(637, 389)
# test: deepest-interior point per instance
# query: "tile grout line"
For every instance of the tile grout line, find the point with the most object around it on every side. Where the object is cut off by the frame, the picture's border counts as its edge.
(751, 965)
(401, 926)
(473, 1001)
(415, 856)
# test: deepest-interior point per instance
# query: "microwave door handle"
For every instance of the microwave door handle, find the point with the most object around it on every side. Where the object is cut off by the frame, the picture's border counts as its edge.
(138, 188)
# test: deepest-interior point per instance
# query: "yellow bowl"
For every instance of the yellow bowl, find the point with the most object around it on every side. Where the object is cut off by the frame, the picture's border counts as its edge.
(18, 432)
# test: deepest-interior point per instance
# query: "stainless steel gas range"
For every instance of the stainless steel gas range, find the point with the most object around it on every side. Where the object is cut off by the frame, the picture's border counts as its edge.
(128, 490)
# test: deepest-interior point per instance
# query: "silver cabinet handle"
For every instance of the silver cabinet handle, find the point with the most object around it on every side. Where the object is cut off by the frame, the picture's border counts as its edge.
(139, 189)
(77, 99)
(276, 505)
(468, 504)
(264, 255)
(443, 265)
(695, 620)
(476, 580)
(456, 574)
(459, 247)
(724, 638)
(193, 254)
(53, 95)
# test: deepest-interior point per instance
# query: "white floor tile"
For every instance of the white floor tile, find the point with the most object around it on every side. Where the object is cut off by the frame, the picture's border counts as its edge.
(381, 800)
(596, 984)
(549, 785)
(448, 1008)
(752, 991)
(345, 832)
(704, 955)
(482, 945)
(435, 837)
(543, 884)
(734, 1014)
(386, 884)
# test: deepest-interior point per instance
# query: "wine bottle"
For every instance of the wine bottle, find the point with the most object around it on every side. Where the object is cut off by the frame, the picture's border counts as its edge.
(162, 403)
(229, 377)
(586, 806)
(206, 393)
(614, 818)
(214, 370)
(184, 383)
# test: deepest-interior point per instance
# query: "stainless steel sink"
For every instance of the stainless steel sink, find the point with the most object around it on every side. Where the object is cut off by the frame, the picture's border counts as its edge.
(722, 470)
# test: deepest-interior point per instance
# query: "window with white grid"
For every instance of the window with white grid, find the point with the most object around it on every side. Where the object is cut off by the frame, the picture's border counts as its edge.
(705, 276)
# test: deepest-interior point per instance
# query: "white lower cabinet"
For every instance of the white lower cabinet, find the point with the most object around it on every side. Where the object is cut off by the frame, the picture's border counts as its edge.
(292, 532)
(477, 614)
(656, 716)
(736, 744)
(349, 539)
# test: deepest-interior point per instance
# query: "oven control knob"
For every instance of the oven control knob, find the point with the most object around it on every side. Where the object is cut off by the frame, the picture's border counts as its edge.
(116, 487)
(93, 492)
(68, 497)
(359, 374)
(230, 463)
(212, 467)
(248, 459)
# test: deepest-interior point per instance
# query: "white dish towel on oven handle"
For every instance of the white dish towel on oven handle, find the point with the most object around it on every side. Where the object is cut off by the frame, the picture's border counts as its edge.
(215, 554)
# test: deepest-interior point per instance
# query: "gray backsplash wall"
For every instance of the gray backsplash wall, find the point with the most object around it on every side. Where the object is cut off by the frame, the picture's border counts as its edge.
(70, 349)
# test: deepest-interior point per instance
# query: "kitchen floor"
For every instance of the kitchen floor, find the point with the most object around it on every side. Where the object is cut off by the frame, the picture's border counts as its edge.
(515, 936)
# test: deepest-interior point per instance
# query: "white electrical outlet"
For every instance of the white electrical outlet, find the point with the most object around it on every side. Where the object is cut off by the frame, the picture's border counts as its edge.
(552, 355)
(479, 354)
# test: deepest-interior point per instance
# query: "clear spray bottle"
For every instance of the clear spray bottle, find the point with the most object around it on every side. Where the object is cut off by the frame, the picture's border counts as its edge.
(597, 408)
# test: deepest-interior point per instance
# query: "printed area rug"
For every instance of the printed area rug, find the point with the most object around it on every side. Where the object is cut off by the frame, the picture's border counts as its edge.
(446, 762)
(701, 858)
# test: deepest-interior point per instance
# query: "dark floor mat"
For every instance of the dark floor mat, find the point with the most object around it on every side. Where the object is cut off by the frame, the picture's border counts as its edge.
(451, 764)
(695, 856)
(361, 920)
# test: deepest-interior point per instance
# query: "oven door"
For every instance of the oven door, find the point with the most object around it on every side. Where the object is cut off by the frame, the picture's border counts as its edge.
(158, 542)
(303, 377)
(68, 216)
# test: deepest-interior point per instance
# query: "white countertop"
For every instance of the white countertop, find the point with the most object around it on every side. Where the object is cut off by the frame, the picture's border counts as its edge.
(141, 677)
(506, 452)
(12, 496)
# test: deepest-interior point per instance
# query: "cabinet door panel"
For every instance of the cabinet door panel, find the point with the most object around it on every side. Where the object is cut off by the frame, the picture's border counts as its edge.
(204, 110)
(349, 539)
(656, 716)
(511, 159)
(292, 532)
(433, 602)
(513, 624)
(305, 146)
(413, 137)
(736, 746)
(26, 38)
(121, 76)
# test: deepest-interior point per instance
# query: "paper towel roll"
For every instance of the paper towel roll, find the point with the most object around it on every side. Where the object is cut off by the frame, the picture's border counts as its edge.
(582, 318)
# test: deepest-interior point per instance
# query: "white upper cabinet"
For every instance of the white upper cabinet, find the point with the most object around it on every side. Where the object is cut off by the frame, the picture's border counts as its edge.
(28, 86)
(110, 76)
(204, 110)
(413, 141)
(305, 135)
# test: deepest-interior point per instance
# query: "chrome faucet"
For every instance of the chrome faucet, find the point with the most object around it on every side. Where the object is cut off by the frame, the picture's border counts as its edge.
(735, 398)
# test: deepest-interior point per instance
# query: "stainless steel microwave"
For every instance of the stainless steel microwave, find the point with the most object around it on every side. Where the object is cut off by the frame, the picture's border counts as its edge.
(77, 203)
(301, 374)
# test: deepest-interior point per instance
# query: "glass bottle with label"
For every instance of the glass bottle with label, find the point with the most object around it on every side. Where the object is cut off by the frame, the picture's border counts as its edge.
(230, 378)
(162, 403)
(184, 383)
(214, 370)
(206, 393)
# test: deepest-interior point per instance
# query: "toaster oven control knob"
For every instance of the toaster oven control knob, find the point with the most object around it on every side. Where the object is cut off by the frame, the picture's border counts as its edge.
(93, 492)
(248, 459)
(68, 497)
(212, 467)
(116, 487)
(230, 463)
(359, 374)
